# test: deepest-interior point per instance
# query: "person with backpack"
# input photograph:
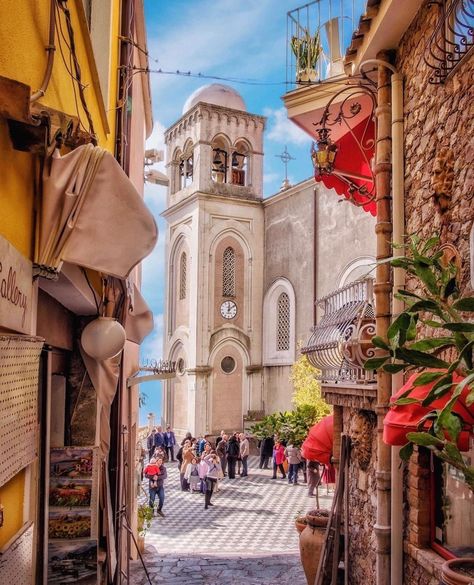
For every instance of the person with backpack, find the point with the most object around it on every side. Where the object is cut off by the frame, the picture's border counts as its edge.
(293, 454)
(156, 474)
(233, 454)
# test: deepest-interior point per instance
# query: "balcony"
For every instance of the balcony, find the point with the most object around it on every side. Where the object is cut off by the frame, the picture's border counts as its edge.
(318, 35)
(341, 342)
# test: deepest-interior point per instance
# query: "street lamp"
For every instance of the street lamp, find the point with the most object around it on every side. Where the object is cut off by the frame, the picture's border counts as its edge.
(324, 156)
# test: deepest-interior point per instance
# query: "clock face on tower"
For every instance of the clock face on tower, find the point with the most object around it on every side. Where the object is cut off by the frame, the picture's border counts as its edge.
(228, 309)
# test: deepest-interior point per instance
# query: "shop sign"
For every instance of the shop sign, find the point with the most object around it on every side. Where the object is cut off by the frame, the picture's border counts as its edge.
(16, 288)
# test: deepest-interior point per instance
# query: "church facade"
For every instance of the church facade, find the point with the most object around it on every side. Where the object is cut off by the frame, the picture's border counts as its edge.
(242, 271)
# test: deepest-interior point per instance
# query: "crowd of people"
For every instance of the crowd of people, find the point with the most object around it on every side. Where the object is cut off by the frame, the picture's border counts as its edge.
(202, 463)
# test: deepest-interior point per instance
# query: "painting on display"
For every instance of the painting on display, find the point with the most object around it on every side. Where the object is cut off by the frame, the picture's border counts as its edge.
(72, 463)
(69, 524)
(72, 562)
(69, 493)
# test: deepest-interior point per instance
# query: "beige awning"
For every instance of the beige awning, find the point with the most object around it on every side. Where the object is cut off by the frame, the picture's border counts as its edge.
(92, 215)
(139, 318)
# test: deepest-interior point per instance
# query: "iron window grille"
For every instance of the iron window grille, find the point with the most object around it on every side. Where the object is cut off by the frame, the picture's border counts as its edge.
(228, 273)
(182, 276)
(452, 39)
(283, 322)
(341, 342)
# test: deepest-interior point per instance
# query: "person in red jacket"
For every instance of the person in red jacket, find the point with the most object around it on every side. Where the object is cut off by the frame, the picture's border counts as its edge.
(278, 458)
(156, 474)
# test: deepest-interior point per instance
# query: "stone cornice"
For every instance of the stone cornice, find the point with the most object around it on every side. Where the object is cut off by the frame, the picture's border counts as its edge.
(200, 196)
(197, 111)
(200, 371)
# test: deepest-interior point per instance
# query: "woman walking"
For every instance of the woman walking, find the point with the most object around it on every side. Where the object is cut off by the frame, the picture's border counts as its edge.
(278, 458)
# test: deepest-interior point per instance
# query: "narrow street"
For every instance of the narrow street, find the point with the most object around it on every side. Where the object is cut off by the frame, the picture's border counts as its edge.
(248, 536)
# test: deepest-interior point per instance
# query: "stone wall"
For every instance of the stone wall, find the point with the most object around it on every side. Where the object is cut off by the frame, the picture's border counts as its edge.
(362, 505)
(437, 116)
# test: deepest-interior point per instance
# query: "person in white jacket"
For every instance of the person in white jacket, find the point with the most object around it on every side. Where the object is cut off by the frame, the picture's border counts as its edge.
(214, 471)
(244, 453)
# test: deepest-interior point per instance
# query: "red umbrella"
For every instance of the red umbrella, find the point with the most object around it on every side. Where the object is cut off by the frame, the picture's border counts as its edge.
(318, 444)
(403, 419)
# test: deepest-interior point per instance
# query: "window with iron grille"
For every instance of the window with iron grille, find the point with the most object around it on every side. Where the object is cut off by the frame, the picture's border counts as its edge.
(182, 276)
(283, 322)
(228, 273)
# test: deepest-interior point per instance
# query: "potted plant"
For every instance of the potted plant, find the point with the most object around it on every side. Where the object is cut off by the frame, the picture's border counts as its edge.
(307, 50)
(144, 519)
(443, 357)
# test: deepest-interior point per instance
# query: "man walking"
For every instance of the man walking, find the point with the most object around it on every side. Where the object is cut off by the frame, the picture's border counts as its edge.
(233, 453)
(150, 444)
(169, 442)
(293, 454)
(156, 474)
(266, 452)
(158, 439)
(244, 453)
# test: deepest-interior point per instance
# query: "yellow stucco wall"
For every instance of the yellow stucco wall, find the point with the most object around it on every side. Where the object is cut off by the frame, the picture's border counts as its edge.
(23, 36)
(11, 498)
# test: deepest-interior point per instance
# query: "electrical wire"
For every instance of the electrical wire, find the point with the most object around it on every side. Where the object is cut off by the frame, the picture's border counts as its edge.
(92, 290)
(179, 73)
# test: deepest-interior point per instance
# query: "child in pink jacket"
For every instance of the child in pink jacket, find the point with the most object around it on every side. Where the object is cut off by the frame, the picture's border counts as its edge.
(278, 458)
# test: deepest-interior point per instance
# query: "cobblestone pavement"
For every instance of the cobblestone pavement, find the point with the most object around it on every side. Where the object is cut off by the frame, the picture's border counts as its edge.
(248, 536)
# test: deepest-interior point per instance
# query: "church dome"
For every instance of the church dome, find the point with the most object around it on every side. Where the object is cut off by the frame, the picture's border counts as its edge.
(218, 95)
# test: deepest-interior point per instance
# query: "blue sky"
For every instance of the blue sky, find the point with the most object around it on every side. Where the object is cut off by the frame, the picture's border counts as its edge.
(245, 40)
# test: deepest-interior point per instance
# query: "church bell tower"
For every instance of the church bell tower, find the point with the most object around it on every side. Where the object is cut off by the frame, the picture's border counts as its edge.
(215, 235)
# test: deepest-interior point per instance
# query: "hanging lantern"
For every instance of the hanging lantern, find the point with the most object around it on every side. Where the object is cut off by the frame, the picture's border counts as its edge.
(324, 156)
(103, 338)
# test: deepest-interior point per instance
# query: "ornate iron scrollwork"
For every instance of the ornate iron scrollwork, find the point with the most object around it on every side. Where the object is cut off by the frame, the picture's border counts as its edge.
(341, 342)
(452, 38)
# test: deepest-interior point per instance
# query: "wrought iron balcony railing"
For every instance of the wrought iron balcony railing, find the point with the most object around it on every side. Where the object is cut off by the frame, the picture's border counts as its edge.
(318, 35)
(341, 342)
(452, 39)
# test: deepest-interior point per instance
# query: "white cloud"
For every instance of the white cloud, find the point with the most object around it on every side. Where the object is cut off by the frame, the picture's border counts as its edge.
(282, 130)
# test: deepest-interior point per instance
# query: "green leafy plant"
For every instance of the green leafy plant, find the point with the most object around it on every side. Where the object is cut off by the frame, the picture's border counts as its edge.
(307, 50)
(291, 426)
(145, 517)
(440, 315)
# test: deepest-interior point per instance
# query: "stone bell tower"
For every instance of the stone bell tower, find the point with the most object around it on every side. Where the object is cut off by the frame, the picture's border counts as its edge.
(213, 317)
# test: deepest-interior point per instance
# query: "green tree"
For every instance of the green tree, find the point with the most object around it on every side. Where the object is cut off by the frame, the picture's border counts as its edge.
(307, 388)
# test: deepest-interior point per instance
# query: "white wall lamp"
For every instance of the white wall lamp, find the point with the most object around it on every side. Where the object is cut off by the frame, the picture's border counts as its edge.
(103, 338)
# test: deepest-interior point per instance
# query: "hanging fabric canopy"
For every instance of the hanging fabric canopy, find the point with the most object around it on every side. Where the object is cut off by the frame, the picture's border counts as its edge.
(92, 215)
(318, 444)
(354, 152)
(403, 419)
(138, 321)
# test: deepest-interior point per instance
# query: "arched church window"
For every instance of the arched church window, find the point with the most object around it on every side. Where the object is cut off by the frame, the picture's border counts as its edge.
(239, 165)
(228, 273)
(220, 165)
(283, 322)
(186, 168)
(182, 275)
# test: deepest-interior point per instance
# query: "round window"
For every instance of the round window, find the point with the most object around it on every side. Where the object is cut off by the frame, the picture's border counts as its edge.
(181, 366)
(228, 364)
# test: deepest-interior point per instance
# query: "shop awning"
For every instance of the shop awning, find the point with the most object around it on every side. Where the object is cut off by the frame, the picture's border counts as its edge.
(318, 444)
(92, 215)
(352, 165)
(139, 318)
(403, 419)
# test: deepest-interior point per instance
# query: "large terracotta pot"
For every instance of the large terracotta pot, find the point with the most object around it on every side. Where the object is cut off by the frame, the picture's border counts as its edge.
(311, 543)
(300, 524)
(458, 572)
